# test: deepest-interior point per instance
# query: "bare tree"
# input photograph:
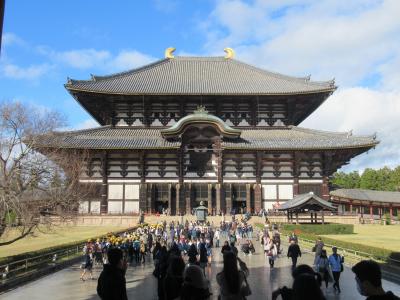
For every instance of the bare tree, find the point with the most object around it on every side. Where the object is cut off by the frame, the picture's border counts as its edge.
(34, 186)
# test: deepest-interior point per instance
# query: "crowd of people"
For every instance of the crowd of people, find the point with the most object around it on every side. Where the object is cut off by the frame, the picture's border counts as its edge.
(182, 256)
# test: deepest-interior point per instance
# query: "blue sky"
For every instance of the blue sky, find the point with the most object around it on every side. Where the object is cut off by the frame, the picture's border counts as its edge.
(356, 42)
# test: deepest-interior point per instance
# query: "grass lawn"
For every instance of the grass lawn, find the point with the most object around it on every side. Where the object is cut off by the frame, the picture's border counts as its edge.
(52, 237)
(387, 237)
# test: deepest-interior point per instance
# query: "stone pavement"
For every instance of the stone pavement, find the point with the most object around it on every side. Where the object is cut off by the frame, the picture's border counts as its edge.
(142, 285)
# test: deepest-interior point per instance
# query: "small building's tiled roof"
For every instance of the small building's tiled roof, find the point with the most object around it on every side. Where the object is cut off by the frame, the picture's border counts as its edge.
(291, 138)
(306, 199)
(199, 76)
(367, 195)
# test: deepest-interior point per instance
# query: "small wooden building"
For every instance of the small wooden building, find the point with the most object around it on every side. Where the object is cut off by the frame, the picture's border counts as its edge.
(366, 203)
(305, 208)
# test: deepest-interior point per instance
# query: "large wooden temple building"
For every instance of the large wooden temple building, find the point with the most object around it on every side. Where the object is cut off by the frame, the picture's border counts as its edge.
(187, 129)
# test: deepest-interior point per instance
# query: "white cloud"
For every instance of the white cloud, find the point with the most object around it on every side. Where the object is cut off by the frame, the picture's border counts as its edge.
(347, 40)
(366, 112)
(33, 72)
(126, 60)
(10, 38)
(357, 42)
(88, 123)
(82, 59)
(104, 60)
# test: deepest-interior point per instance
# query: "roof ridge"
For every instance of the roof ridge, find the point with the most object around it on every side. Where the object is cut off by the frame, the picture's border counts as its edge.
(305, 79)
(341, 133)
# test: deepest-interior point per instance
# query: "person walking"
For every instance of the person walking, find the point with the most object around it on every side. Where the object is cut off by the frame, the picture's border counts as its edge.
(336, 264)
(272, 252)
(232, 281)
(111, 283)
(88, 264)
(319, 245)
(323, 268)
(293, 252)
(217, 237)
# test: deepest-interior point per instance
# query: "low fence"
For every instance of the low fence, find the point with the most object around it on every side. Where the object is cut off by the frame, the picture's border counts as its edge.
(20, 271)
(17, 270)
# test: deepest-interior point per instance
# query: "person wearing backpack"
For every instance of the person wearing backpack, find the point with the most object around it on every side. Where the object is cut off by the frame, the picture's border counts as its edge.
(322, 267)
(336, 264)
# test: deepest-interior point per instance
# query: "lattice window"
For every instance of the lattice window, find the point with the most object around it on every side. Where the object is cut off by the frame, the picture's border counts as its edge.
(162, 192)
(239, 192)
(201, 191)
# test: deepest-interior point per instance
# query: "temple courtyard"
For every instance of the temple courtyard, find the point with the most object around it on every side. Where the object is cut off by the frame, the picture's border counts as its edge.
(141, 284)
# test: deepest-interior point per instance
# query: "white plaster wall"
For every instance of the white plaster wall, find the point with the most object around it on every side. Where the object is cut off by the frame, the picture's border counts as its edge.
(132, 207)
(115, 207)
(84, 207)
(131, 191)
(269, 191)
(115, 191)
(285, 191)
(95, 207)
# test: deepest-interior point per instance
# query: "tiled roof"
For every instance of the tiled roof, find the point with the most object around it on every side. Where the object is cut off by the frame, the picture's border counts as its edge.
(199, 76)
(291, 138)
(367, 195)
(301, 200)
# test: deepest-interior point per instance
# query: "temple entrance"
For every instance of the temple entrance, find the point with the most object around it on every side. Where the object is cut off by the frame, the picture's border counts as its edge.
(199, 193)
(163, 196)
(239, 198)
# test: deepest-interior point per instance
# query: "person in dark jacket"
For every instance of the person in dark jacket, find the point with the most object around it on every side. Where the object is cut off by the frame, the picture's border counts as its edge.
(293, 252)
(369, 281)
(225, 247)
(111, 284)
(173, 280)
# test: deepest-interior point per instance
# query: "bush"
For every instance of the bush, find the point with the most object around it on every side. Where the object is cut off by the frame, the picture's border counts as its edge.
(31, 254)
(319, 229)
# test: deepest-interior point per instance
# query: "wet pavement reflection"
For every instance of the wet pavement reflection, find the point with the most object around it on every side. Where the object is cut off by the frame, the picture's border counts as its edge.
(141, 284)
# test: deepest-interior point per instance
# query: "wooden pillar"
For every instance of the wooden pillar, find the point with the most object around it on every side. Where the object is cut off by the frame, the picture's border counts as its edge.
(257, 187)
(143, 197)
(257, 197)
(371, 211)
(325, 188)
(312, 218)
(248, 198)
(178, 190)
(218, 200)
(151, 198)
(351, 206)
(316, 218)
(104, 185)
(297, 218)
(170, 199)
(380, 213)
(391, 211)
(228, 198)
(323, 217)
(361, 208)
(295, 186)
(188, 198)
(209, 200)
(219, 192)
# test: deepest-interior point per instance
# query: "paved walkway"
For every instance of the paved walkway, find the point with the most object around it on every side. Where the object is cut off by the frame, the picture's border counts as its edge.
(141, 284)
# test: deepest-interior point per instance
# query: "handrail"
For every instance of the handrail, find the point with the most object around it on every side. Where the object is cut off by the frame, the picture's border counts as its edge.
(53, 257)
